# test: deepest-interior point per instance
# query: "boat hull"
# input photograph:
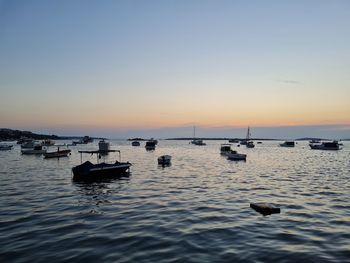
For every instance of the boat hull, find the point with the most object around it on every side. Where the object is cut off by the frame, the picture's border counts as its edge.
(58, 154)
(237, 157)
(321, 147)
(94, 172)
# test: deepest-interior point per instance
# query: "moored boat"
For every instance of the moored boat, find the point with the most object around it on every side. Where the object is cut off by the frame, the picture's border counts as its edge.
(47, 142)
(84, 140)
(150, 145)
(135, 143)
(198, 142)
(88, 171)
(250, 144)
(37, 149)
(325, 146)
(288, 144)
(57, 154)
(225, 148)
(235, 156)
(154, 140)
(23, 140)
(5, 147)
(195, 141)
(28, 144)
(164, 160)
(247, 139)
(243, 142)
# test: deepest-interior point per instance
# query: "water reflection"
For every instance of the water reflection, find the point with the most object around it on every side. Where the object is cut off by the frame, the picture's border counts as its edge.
(180, 212)
(92, 196)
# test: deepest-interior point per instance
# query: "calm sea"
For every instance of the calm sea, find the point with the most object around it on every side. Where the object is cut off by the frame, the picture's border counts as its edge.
(196, 210)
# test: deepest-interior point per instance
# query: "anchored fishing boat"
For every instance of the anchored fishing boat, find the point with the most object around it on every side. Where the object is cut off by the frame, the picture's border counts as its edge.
(235, 156)
(88, 171)
(135, 143)
(225, 148)
(150, 145)
(37, 149)
(325, 146)
(58, 153)
(48, 142)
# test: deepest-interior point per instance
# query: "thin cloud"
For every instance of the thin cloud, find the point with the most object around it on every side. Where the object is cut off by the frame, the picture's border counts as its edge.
(289, 81)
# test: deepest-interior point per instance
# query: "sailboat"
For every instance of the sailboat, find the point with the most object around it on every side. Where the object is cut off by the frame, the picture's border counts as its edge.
(248, 142)
(196, 141)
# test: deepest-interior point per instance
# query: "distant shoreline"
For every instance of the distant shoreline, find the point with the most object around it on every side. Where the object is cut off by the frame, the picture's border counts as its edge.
(218, 139)
(13, 135)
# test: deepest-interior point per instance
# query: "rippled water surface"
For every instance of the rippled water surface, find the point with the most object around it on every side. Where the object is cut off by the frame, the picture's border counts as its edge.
(196, 210)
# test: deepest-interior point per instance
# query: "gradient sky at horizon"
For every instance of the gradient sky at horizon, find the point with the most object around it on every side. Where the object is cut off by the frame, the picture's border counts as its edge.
(137, 65)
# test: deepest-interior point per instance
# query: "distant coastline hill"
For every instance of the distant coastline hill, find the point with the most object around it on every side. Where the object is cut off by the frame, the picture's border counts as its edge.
(12, 135)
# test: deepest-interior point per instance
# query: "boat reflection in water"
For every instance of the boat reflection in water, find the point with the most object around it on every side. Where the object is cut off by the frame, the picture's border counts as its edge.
(88, 171)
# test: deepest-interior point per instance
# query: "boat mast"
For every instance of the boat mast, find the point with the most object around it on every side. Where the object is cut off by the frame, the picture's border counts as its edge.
(248, 134)
(194, 132)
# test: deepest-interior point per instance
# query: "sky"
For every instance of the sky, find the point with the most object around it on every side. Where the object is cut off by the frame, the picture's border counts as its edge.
(124, 68)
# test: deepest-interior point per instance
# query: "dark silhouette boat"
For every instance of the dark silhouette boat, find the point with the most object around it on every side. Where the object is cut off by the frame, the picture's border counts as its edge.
(135, 143)
(250, 144)
(88, 171)
(164, 160)
(57, 154)
(288, 144)
(333, 146)
(150, 145)
(225, 148)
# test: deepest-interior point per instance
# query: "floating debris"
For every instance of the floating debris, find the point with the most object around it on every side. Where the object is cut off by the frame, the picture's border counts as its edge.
(265, 208)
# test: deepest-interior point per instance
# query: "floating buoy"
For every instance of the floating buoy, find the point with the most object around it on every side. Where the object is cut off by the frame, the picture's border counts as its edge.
(265, 209)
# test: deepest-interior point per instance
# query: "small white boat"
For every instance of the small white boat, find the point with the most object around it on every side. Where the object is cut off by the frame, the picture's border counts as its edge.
(37, 149)
(288, 144)
(225, 148)
(5, 147)
(135, 143)
(164, 160)
(235, 156)
(28, 145)
(334, 146)
(103, 146)
(47, 142)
